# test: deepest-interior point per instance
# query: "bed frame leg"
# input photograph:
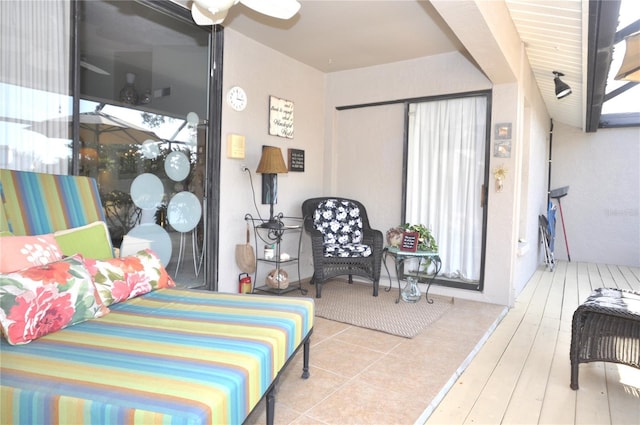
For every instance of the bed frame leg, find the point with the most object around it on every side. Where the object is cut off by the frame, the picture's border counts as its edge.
(305, 359)
(271, 404)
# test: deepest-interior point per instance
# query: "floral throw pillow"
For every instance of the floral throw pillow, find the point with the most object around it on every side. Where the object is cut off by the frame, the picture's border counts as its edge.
(43, 299)
(20, 252)
(118, 279)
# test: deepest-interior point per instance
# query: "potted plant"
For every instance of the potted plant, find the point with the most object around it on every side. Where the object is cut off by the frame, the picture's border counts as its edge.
(426, 241)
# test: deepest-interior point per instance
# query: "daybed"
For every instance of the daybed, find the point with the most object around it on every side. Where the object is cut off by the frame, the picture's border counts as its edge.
(166, 356)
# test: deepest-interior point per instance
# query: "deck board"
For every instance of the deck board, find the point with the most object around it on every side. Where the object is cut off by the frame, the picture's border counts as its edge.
(526, 401)
(522, 373)
(592, 404)
(558, 406)
(619, 378)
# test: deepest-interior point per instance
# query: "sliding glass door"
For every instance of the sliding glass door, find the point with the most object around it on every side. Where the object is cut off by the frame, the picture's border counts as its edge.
(142, 132)
(118, 91)
(445, 181)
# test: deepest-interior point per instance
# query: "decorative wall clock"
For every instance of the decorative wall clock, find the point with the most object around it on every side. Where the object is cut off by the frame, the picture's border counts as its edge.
(237, 98)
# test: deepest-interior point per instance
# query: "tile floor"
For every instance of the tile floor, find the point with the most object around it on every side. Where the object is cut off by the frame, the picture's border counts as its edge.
(360, 376)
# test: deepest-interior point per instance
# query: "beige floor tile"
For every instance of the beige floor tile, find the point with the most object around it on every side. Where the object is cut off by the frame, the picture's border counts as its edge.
(302, 394)
(405, 376)
(282, 415)
(361, 376)
(306, 420)
(324, 329)
(377, 341)
(360, 403)
(342, 358)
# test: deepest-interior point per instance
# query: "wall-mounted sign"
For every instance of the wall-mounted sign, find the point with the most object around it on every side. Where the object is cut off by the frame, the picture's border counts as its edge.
(280, 117)
(296, 160)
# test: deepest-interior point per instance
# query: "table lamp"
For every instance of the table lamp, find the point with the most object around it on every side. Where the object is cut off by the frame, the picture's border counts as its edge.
(271, 164)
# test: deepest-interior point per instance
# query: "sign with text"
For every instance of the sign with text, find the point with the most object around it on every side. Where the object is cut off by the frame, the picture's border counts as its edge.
(296, 160)
(409, 241)
(280, 117)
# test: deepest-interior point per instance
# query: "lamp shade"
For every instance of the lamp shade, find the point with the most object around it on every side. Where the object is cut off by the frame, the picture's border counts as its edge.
(562, 88)
(630, 68)
(271, 161)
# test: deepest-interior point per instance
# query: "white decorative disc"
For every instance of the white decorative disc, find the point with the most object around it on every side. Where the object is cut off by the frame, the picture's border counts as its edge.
(184, 211)
(177, 166)
(193, 118)
(147, 191)
(145, 236)
(150, 149)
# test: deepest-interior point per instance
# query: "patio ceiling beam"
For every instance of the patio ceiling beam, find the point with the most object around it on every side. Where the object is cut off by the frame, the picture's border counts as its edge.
(603, 20)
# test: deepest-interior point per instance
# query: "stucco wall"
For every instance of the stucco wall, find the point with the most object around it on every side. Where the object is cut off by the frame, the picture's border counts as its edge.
(331, 157)
(437, 75)
(430, 76)
(602, 209)
(262, 72)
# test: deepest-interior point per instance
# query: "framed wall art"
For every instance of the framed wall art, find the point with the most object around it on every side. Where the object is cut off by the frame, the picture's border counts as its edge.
(280, 117)
(503, 131)
(502, 149)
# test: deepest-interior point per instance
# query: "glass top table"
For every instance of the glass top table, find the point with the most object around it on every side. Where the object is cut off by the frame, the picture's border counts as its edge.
(399, 258)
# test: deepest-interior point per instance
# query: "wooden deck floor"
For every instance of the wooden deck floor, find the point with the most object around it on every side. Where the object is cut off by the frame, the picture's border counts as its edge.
(521, 375)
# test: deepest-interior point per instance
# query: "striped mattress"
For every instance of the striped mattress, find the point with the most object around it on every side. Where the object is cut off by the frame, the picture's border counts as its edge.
(171, 356)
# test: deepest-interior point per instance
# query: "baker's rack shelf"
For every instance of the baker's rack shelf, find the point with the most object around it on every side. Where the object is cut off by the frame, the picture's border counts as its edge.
(267, 232)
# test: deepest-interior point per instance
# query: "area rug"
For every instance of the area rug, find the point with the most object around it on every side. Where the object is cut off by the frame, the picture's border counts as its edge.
(354, 304)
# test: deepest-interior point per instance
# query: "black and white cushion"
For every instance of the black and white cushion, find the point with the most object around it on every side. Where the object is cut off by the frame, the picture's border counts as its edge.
(341, 225)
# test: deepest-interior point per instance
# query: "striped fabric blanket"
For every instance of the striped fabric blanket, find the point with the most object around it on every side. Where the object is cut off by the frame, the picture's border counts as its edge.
(170, 356)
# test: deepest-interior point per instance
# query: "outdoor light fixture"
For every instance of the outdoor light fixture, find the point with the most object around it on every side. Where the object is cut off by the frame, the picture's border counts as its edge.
(271, 164)
(562, 88)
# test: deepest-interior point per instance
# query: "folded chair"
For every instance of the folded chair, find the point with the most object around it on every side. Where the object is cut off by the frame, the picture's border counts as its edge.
(342, 241)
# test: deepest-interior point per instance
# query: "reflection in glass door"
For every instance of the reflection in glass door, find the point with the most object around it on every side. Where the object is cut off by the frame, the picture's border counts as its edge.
(36, 98)
(141, 129)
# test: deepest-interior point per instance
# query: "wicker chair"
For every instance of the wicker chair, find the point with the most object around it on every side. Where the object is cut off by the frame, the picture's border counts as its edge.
(342, 241)
(606, 327)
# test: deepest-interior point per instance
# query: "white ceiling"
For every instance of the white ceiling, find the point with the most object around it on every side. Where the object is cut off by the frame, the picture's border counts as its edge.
(338, 35)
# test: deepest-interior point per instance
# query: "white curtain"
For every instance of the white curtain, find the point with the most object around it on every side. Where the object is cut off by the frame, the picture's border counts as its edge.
(445, 173)
(34, 85)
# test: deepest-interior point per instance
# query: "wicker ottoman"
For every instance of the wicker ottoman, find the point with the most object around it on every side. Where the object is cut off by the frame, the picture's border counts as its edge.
(606, 327)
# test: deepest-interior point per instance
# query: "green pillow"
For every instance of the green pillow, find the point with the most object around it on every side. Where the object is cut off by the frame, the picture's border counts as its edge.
(90, 241)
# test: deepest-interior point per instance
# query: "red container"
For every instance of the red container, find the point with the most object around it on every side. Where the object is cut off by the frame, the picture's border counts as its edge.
(245, 283)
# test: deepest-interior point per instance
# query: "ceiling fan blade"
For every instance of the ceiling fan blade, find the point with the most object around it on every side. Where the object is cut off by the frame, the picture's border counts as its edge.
(93, 68)
(210, 12)
(281, 9)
